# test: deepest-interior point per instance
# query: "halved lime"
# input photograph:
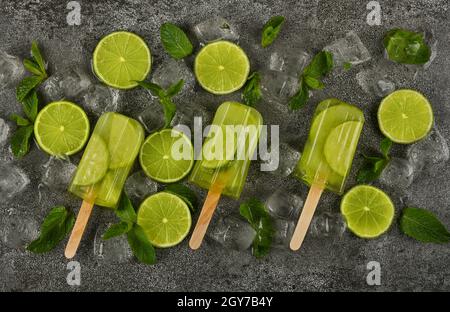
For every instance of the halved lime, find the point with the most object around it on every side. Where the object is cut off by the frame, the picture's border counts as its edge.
(165, 218)
(405, 116)
(340, 146)
(368, 211)
(221, 67)
(94, 164)
(167, 156)
(122, 58)
(61, 128)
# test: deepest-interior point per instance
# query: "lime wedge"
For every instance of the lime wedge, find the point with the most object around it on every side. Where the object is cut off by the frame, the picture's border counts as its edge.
(167, 156)
(94, 164)
(405, 116)
(165, 218)
(340, 146)
(221, 67)
(122, 58)
(368, 211)
(61, 128)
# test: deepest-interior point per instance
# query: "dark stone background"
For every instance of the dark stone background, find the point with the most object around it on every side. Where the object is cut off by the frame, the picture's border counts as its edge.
(322, 264)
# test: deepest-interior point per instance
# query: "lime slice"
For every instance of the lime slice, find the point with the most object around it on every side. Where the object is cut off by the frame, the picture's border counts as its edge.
(61, 128)
(167, 156)
(368, 211)
(218, 150)
(165, 218)
(122, 58)
(221, 67)
(124, 141)
(340, 146)
(405, 116)
(94, 164)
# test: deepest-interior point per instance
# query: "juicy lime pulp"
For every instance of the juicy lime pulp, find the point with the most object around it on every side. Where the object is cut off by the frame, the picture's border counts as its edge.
(165, 218)
(61, 128)
(167, 156)
(368, 211)
(221, 67)
(405, 116)
(122, 58)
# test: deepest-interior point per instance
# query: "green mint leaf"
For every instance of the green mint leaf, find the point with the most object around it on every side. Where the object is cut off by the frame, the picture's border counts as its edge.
(175, 41)
(301, 97)
(19, 120)
(169, 109)
(154, 89)
(185, 193)
(347, 65)
(117, 230)
(125, 210)
(271, 30)
(32, 67)
(175, 88)
(406, 47)
(20, 142)
(30, 105)
(320, 65)
(423, 226)
(313, 83)
(371, 169)
(385, 147)
(37, 56)
(252, 90)
(141, 247)
(26, 86)
(57, 224)
(257, 215)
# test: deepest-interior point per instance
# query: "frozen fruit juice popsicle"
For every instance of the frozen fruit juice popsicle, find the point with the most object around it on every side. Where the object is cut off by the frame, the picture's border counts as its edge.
(226, 156)
(327, 156)
(104, 167)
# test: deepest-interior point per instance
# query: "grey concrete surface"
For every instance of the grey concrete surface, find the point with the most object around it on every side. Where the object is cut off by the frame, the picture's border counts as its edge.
(322, 264)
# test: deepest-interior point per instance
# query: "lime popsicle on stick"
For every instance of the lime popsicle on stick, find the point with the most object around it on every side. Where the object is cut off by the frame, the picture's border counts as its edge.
(327, 156)
(226, 156)
(103, 169)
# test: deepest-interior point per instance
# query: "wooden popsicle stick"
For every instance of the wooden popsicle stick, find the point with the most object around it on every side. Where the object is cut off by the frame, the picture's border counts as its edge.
(306, 216)
(206, 214)
(78, 229)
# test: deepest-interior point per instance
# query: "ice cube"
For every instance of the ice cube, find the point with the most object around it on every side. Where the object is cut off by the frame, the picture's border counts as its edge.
(215, 28)
(284, 204)
(190, 117)
(75, 82)
(429, 153)
(327, 224)
(152, 117)
(51, 89)
(278, 86)
(171, 71)
(349, 49)
(113, 250)
(11, 70)
(100, 99)
(17, 231)
(4, 133)
(58, 173)
(233, 232)
(432, 42)
(375, 82)
(13, 180)
(283, 231)
(289, 61)
(283, 162)
(398, 174)
(138, 186)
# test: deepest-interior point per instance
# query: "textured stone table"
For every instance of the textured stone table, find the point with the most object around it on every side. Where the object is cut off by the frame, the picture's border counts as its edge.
(322, 264)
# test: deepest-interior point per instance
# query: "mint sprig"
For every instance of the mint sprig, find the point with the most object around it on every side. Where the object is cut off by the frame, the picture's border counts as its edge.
(423, 226)
(374, 165)
(56, 226)
(165, 97)
(175, 41)
(271, 30)
(311, 78)
(185, 193)
(406, 47)
(252, 89)
(257, 215)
